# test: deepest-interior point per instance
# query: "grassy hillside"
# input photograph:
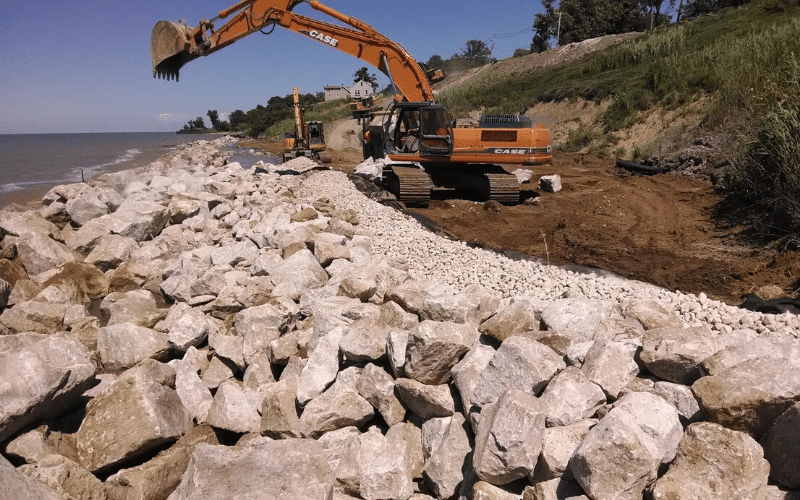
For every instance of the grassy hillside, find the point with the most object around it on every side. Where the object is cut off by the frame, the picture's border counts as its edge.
(743, 64)
(326, 112)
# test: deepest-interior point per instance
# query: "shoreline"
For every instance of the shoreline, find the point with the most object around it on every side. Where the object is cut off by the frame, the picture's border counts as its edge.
(31, 197)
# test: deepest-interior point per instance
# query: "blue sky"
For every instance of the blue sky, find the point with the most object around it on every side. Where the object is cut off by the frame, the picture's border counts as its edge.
(68, 66)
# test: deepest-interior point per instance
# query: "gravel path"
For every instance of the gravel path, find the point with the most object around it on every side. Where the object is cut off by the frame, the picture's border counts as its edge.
(443, 261)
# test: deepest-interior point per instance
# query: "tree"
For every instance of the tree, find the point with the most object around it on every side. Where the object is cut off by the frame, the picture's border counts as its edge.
(363, 74)
(583, 19)
(436, 62)
(214, 117)
(476, 53)
(696, 7)
(544, 27)
(520, 52)
(238, 118)
(199, 123)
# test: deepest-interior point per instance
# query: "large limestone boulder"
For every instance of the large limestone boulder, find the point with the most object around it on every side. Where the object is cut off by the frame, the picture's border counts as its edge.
(137, 307)
(124, 345)
(338, 407)
(111, 251)
(87, 281)
(89, 235)
(373, 467)
(473, 306)
(621, 455)
(366, 338)
(279, 418)
(66, 478)
(289, 469)
(571, 397)
(158, 478)
(34, 316)
(233, 411)
(444, 468)
(377, 387)
(714, 462)
(185, 327)
(153, 416)
(300, 272)
(427, 401)
(57, 370)
(780, 348)
(782, 448)
(682, 398)
(577, 318)
(194, 394)
(84, 205)
(749, 396)
(138, 220)
(651, 314)
(509, 437)
(558, 445)
(468, 371)
(434, 348)
(39, 253)
(520, 363)
(611, 365)
(520, 316)
(675, 354)
(243, 253)
(260, 325)
(322, 367)
(25, 223)
(18, 486)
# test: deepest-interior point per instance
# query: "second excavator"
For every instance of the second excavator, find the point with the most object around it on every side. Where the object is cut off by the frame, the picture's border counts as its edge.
(433, 153)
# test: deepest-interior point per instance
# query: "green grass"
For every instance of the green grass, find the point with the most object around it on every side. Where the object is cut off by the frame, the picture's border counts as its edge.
(325, 112)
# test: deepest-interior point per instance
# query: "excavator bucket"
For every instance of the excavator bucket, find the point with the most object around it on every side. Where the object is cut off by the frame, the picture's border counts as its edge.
(169, 49)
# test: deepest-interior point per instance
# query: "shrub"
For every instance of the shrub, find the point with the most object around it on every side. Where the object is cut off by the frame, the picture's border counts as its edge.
(577, 139)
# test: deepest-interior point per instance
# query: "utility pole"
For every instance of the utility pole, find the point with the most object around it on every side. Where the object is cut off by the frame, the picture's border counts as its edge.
(558, 32)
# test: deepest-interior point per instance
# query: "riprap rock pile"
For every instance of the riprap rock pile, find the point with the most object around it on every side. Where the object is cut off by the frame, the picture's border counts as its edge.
(198, 330)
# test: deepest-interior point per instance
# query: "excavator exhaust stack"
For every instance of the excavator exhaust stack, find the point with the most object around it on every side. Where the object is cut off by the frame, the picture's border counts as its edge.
(170, 45)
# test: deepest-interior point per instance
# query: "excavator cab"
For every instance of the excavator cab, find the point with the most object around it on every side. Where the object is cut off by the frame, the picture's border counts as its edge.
(316, 135)
(418, 129)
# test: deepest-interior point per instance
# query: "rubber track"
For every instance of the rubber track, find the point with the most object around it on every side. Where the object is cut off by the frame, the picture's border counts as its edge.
(411, 185)
(503, 188)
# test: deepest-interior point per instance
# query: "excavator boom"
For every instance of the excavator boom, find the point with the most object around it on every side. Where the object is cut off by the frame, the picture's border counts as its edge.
(417, 130)
(172, 44)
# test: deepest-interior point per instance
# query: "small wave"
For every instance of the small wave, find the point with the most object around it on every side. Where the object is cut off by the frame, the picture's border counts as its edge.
(78, 174)
(19, 186)
(128, 155)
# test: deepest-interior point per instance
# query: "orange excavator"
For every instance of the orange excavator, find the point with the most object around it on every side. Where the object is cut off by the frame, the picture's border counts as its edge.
(416, 129)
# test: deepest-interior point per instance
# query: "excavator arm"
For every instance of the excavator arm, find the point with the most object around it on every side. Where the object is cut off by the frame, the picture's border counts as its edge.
(172, 44)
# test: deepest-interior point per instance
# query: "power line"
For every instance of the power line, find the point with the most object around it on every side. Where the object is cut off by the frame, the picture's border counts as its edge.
(517, 33)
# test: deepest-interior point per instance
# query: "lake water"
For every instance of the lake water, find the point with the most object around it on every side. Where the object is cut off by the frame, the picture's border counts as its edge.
(31, 164)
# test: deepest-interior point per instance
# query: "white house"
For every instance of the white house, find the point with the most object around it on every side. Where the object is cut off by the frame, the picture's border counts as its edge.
(358, 90)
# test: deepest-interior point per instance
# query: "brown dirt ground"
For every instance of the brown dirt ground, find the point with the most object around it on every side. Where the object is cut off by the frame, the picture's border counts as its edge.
(658, 229)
